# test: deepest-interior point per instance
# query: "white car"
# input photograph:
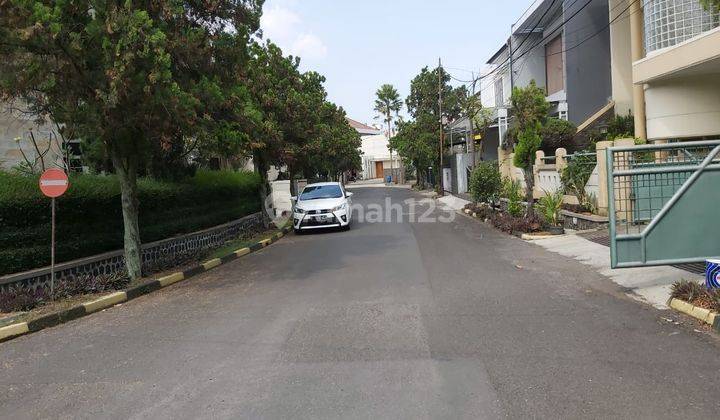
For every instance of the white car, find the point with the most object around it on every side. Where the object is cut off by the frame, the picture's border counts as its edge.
(322, 205)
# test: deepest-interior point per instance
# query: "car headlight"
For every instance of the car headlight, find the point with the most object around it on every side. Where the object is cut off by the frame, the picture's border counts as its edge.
(299, 210)
(342, 206)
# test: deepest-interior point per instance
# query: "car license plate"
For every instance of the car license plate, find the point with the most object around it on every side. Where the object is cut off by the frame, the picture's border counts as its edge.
(322, 218)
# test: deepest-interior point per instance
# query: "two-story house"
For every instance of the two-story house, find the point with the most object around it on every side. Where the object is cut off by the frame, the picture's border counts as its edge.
(672, 69)
(564, 46)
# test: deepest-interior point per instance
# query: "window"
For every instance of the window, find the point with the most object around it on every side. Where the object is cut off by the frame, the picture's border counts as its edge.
(499, 99)
(318, 192)
(555, 79)
(670, 22)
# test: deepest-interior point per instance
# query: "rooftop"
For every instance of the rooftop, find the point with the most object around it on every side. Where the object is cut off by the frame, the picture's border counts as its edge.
(362, 128)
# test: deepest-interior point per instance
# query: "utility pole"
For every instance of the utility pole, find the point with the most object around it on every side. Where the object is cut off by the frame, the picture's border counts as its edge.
(510, 59)
(442, 134)
(470, 142)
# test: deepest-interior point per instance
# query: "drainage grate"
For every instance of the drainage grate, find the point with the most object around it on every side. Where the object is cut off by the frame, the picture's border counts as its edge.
(695, 268)
(603, 238)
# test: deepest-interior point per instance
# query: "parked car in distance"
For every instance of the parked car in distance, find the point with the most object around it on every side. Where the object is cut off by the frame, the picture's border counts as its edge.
(322, 205)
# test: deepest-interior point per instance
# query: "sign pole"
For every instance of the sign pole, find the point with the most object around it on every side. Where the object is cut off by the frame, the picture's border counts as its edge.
(52, 252)
(53, 183)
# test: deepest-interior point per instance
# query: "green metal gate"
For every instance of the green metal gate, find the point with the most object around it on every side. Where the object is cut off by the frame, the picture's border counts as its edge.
(664, 203)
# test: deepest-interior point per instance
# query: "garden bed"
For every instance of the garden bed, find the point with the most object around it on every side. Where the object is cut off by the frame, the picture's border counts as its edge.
(504, 221)
(26, 303)
(697, 301)
(696, 294)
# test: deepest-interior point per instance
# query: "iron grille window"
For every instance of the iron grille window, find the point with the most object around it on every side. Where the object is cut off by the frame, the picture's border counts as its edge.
(499, 94)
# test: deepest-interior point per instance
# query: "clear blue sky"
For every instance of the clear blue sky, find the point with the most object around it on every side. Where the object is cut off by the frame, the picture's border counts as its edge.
(359, 45)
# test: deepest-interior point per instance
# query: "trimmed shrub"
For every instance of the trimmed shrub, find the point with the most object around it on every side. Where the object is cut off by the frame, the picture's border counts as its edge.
(485, 182)
(512, 190)
(89, 216)
(557, 133)
(549, 207)
(575, 176)
(621, 126)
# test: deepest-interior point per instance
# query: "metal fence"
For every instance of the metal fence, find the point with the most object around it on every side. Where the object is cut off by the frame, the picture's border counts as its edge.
(654, 191)
(585, 158)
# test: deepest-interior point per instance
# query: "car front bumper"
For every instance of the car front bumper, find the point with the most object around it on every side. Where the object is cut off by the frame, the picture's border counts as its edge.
(307, 221)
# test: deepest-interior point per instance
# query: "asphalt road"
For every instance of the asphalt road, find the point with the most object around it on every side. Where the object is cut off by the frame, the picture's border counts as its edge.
(388, 320)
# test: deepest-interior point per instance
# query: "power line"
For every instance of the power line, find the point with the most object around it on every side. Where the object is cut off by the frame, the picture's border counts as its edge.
(502, 65)
(532, 47)
(618, 17)
(536, 25)
(565, 21)
(523, 13)
(521, 43)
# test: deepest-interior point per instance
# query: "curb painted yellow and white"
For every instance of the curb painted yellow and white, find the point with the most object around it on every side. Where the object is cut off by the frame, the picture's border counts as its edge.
(13, 330)
(21, 328)
(705, 315)
(105, 302)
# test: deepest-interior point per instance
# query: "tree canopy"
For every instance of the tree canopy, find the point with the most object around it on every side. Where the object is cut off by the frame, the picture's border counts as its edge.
(387, 104)
(530, 112)
(418, 140)
(148, 85)
(296, 126)
(137, 76)
(711, 5)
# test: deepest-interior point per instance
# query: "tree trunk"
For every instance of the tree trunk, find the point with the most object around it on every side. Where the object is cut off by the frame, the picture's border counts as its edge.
(423, 177)
(126, 170)
(261, 167)
(530, 186)
(293, 187)
(418, 175)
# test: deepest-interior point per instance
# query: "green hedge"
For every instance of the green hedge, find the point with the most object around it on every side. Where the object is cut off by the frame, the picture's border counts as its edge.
(89, 217)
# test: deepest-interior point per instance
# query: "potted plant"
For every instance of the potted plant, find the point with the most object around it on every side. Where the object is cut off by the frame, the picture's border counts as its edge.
(549, 207)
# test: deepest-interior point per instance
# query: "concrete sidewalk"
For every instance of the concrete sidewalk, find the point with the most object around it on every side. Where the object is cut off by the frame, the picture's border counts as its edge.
(453, 202)
(647, 284)
(375, 183)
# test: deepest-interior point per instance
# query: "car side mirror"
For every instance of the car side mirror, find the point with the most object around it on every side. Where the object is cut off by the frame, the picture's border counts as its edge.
(348, 194)
(293, 198)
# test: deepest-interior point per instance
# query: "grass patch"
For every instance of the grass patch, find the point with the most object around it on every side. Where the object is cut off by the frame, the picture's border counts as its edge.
(233, 246)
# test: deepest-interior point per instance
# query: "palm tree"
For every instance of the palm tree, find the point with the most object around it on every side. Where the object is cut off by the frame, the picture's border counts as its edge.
(387, 104)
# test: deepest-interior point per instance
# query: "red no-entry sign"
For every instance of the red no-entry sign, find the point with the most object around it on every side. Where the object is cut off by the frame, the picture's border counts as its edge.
(54, 183)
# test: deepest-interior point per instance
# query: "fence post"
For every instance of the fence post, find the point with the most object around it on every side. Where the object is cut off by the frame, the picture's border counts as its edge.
(503, 163)
(560, 159)
(537, 191)
(624, 206)
(602, 198)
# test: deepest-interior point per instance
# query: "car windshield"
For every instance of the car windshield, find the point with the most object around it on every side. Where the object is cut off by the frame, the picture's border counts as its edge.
(321, 191)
